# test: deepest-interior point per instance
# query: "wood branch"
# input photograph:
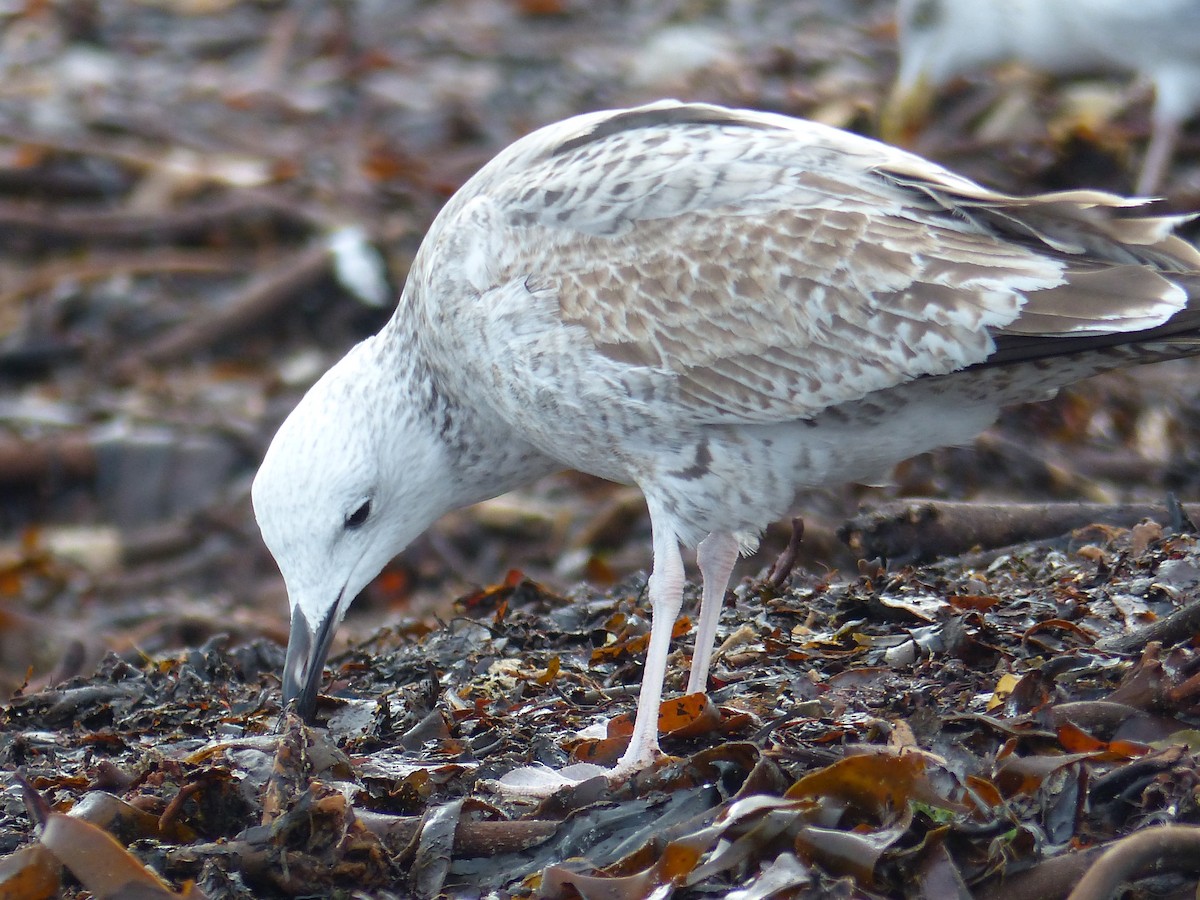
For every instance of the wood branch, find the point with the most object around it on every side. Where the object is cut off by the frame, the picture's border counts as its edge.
(69, 456)
(919, 531)
(1181, 625)
(111, 226)
(471, 838)
(1098, 872)
(259, 300)
(101, 267)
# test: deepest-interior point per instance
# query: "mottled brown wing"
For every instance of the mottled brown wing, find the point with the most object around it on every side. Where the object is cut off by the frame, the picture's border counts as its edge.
(765, 273)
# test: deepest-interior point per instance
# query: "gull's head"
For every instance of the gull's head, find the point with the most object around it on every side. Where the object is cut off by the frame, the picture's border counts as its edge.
(352, 476)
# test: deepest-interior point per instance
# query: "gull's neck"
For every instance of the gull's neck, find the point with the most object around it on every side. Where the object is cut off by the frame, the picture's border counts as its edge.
(485, 457)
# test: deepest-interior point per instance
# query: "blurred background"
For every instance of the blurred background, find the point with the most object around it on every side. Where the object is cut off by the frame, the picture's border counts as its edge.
(204, 203)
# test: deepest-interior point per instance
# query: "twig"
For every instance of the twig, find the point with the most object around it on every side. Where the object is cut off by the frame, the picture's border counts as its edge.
(257, 301)
(185, 792)
(30, 462)
(1181, 625)
(176, 262)
(110, 226)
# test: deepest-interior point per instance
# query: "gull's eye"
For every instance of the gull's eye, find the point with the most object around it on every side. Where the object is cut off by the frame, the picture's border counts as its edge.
(359, 516)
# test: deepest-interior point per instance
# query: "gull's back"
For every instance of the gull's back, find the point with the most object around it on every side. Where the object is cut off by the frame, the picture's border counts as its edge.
(639, 294)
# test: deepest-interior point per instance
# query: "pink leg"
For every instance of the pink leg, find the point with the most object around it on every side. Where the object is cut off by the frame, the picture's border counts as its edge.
(666, 597)
(716, 557)
(1164, 135)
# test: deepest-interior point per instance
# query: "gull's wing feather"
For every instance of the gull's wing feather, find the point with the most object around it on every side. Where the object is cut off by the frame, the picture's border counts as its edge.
(761, 269)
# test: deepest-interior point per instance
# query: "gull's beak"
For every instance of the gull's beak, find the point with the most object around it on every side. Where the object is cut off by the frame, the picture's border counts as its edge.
(305, 662)
(906, 110)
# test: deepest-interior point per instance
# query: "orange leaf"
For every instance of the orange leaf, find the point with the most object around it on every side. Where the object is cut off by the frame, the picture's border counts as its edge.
(688, 716)
(1075, 740)
(876, 783)
(983, 791)
(600, 751)
(734, 720)
(394, 582)
(541, 7)
(553, 667)
(1088, 635)
(620, 726)
(501, 611)
(606, 750)
(29, 874)
(101, 864)
(494, 594)
(1025, 774)
(677, 861)
(1127, 749)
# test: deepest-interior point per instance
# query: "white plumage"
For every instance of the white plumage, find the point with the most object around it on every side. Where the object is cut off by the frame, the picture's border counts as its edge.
(1159, 40)
(720, 306)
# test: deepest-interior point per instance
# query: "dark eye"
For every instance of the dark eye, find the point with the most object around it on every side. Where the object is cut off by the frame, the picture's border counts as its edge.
(359, 516)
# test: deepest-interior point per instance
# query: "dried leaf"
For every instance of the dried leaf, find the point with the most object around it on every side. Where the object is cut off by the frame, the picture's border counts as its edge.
(102, 865)
(688, 716)
(30, 873)
(982, 796)
(876, 784)
(608, 749)
(1025, 774)
(553, 667)
(1005, 686)
(1075, 740)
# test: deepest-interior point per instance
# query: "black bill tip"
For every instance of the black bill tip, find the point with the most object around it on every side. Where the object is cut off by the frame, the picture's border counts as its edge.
(305, 662)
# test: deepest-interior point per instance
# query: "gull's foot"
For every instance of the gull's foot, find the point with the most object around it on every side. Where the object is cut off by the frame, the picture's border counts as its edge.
(539, 782)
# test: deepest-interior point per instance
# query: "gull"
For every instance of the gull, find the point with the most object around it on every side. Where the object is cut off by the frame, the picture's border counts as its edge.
(720, 306)
(1159, 40)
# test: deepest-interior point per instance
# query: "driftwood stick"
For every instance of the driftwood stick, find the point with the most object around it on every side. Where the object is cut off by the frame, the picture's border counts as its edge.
(258, 300)
(99, 268)
(1181, 625)
(70, 456)
(124, 226)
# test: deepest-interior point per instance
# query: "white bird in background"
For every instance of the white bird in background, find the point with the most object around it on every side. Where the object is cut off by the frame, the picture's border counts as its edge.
(1158, 40)
(719, 306)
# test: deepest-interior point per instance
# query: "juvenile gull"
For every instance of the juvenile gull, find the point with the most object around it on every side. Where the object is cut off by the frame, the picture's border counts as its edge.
(719, 306)
(1158, 40)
